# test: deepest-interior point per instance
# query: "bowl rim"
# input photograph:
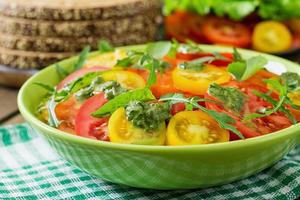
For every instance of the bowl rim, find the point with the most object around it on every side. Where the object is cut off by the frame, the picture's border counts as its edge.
(35, 122)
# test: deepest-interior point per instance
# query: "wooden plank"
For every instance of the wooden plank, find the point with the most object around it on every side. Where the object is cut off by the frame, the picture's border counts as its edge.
(14, 120)
(8, 102)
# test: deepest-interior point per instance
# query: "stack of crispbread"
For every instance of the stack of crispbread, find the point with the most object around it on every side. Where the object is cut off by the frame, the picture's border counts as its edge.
(36, 33)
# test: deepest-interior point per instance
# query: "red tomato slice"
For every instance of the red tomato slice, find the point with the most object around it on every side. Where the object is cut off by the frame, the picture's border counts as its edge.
(78, 74)
(296, 41)
(192, 56)
(89, 126)
(177, 107)
(258, 126)
(223, 31)
(66, 112)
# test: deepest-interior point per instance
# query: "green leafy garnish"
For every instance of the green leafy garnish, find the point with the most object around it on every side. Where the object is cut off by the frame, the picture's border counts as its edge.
(292, 80)
(49, 88)
(81, 58)
(111, 89)
(75, 86)
(242, 70)
(62, 73)
(224, 120)
(282, 89)
(122, 100)
(231, 97)
(105, 46)
(189, 47)
(197, 64)
(52, 119)
(237, 56)
(147, 116)
(159, 49)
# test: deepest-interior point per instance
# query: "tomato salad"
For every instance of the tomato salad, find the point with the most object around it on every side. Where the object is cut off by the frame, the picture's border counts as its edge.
(171, 94)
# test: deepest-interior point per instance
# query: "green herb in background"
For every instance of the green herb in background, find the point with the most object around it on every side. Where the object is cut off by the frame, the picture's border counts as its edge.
(62, 73)
(105, 46)
(81, 58)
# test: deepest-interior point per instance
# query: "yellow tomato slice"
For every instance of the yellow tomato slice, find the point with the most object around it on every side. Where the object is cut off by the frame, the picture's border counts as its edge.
(271, 37)
(106, 59)
(120, 130)
(197, 82)
(194, 127)
(295, 97)
(128, 80)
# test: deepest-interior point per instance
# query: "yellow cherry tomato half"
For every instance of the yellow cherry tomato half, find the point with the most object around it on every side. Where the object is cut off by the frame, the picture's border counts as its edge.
(106, 59)
(271, 37)
(197, 82)
(128, 80)
(120, 130)
(194, 127)
(295, 97)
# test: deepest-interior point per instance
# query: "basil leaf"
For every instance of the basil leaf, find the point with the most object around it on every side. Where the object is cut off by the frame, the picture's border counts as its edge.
(242, 70)
(158, 50)
(82, 57)
(197, 64)
(122, 100)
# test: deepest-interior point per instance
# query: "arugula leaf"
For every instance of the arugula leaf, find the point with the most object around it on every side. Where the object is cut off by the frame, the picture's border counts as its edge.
(52, 119)
(237, 56)
(62, 73)
(105, 46)
(82, 57)
(242, 70)
(158, 50)
(231, 97)
(174, 48)
(197, 64)
(282, 98)
(75, 86)
(189, 47)
(224, 120)
(122, 100)
(270, 99)
(46, 87)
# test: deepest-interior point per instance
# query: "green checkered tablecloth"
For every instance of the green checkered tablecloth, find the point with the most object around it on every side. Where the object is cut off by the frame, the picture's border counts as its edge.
(29, 169)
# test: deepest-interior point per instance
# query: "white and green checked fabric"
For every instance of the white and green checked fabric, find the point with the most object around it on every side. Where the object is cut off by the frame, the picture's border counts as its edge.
(29, 169)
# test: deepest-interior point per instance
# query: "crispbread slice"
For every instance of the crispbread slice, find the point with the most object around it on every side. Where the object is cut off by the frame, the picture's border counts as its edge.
(30, 59)
(99, 28)
(76, 9)
(66, 44)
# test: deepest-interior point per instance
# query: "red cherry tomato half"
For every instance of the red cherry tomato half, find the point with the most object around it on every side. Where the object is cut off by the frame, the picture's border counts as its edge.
(89, 126)
(226, 32)
(78, 74)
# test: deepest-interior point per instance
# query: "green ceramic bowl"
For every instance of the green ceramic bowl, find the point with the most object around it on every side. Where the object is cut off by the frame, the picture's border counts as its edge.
(160, 167)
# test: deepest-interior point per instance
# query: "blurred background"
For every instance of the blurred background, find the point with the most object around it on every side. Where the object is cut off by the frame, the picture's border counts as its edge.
(35, 33)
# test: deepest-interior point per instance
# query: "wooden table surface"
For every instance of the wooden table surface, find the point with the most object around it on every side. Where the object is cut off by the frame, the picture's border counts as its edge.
(9, 113)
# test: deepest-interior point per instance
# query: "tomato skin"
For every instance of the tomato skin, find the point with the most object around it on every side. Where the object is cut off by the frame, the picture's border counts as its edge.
(260, 76)
(226, 32)
(89, 126)
(78, 74)
(177, 107)
(66, 112)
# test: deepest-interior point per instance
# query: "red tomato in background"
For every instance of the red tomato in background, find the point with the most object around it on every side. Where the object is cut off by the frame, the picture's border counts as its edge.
(77, 74)
(227, 32)
(89, 126)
